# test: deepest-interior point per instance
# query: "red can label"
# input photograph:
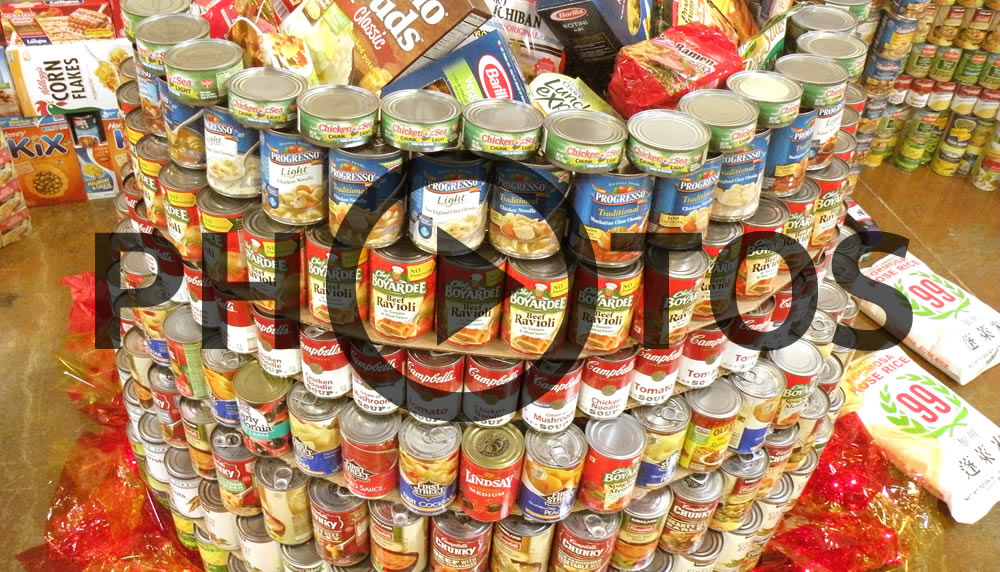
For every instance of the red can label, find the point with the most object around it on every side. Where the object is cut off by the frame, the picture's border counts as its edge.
(719, 280)
(798, 227)
(655, 373)
(236, 485)
(699, 362)
(338, 283)
(434, 392)
(341, 537)
(469, 293)
(378, 380)
(488, 495)
(169, 412)
(758, 274)
(677, 307)
(782, 305)
(533, 312)
(370, 469)
(793, 399)
(607, 484)
(240, 332)
(182, 221)
(548, 399)
(278, 344)
(276, 270)
(777, 458)
(402, 297)
(602, 309)
(325, 370)
(827, 211)
(687, 521)
(453, 554)
(223, 258)
(736, 357)
(571, 553)
(491, 393)
(605, 386)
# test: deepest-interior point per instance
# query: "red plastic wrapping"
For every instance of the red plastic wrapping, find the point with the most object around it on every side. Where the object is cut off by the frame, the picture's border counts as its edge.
(656, 73)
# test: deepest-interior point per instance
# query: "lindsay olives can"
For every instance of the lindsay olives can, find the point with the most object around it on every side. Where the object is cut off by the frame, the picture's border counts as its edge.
(263, 410)
(742, 474)
(760, 391)
(535, 305)
(695, 500)
(221, 366)
(584, 141)
(758, 273)
(642, 524)
(611, 467)
(679, 274)
(338, 279)
(448, 197)
(428, 465)
(605, 384)
(285, 500)
(715, 292)
(730, 117)
(198, 70)
(234, 468)
(549, 394)
(584, 541)
(665, 427)
(339, 116)
(398, 537)
(654, 374)
(370, 450)
(315, 427)
(553, 463)
(420, 120)
(736, 543)
(293, 173)
(468, 304)
(788, 155)
(340, 523)
(519, 542)
(491, 391)
(667, 143)
(231, 155)
(367, 198)
(490, 471)
(459, 543)
(502, 128)
(713, 414)
(612, 209)
(528, 215)
(681, 206)
(604, 303)
(402, 291)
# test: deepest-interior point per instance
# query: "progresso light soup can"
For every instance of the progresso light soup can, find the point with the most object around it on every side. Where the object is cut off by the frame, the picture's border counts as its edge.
(612, 210)
(293, 173)
(231, 155)
(447, 202)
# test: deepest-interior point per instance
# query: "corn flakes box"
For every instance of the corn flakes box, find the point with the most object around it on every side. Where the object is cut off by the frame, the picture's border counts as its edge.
(45, 161)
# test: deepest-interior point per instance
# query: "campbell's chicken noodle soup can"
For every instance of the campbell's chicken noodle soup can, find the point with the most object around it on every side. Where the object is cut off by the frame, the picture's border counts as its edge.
(604, 301)
(340, 523)
(337, 279)
(642, 524)
(220, 368)
(584, 541)
(275, 262)
(428, 465)
(325, 368)
(285, 500)
(263, 410)
(166, 400)
(234, 468)
(315, 423)
(468, 300)
(611, 467)
(606, 205)
(491, 390)
(778, 446)
(699, 362)
(605, 384)
(760, 393)
(831, 181)
(370, 450)
(434, 385)
(402, 291)
(654, 374)
(758, 273)
(553, 464)
(277, 343)
(800, 363)
(519, 543)
(736, 543)
(378, 381)
(742, 474)
(720, 277)
(202, 296)
(666, 427)
(748, 330)
(238, 329)
(221, 220)
(398, 537)
(459, 543)
(549, 393)
(695, 499)
(678, 273)
(490, 471)
(184, 346)
(536, 304)
(713, 414)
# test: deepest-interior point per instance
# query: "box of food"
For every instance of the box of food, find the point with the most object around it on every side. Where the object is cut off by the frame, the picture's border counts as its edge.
(93, 152)
(114, 137)
(46, 22)
(44, 159)
(65, 78)
(15, 227)
(594, 30)
(8, 97)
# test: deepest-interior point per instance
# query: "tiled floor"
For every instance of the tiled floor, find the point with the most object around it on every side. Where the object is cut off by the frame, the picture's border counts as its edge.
(955, 228)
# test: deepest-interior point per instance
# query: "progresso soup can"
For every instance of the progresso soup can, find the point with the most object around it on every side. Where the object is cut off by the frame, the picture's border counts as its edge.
(367, 198)
(788, 155)
(528, 215)
(231, 155)
(681, 205)
(293, 173)
(447, 202)
(611, 210)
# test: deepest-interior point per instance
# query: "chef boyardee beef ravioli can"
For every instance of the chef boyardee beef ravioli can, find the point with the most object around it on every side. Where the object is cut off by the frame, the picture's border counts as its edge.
(468, 301)
(402, 291)
(294, 177)
(607, 205)
(420, 120)
(788, 155)
(536, 305)
(604, 302)
(448, 197)
(584, 141)
(367, 198)
(338, 115)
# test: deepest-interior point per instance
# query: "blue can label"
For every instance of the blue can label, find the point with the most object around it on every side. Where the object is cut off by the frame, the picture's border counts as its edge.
(895, 37)
(610, 203)
(317, 463)
(653, 475)
(225, 411)
(529, 178)
(682, 204)
(450, 196)
(226, 143)
(351, 175)
(787, 153)
(882, 69)
(528, 209)
(149, 95)
(222, 129)
(294, 175)
(750, 440)
(427, 497)
(175, 112)
(158, 351)
(546, 508)
(741, 176)
(874, 107)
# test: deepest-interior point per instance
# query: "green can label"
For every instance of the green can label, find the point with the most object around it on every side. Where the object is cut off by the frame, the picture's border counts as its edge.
(664, 162)
(263, 114)
(778, 114)
(732, 138)
(822, 95)
(516, 145)
(213, 558)
(582, 157)
(419, 136)
(337, 132)
(990, 78)
(198, 86)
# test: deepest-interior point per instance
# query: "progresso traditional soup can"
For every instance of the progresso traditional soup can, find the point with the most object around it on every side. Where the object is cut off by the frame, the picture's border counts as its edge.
(612, 210)
(528, 215)
(367, 198)
(681, 205)
(788, 155)
(740, 180)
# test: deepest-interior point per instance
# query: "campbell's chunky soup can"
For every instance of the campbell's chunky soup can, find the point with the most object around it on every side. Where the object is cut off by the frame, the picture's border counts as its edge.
(398, 537)
(612, 210)
(553, 463)
(315, 425)
(469, 297)
(337, 279)
(584, 541)
(370, 449)
(612, 463)
(263, 410)
(695, 500)
(490, 471)
(340, 523)
(639, 534)
(402, 291)
(536, 305)
(665, 426)
(605, 383)
(519, 542)
(459, 543)
(428, 465)
(678, 274)
(549, 393)
(713, 413)
(604, 301)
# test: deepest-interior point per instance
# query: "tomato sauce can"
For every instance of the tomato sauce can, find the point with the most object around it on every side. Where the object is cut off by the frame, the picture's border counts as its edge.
(549, 393)
(377, 379)
(402, 291)
(398, 537)
(612, 210)
(536, 305)
(277, 343)
(828, 378)
(491, 390)
(275, 262)
(788, 155)
(167, 400)
(742, 475)
(234, 469)
(221, 220)
(459, 543)
(760, 391)
(666, 427)
(748, 330)
(490, 471)
(220, 368)
(553, 464)
(654, 374)
(468, 301)
(325, 368)
(713, 414)
(337, 279)
(315, 424)
(584, 541)
(736, 543)
(720, 277)
(604, 302)
(285, 500)
(367, 198)
(263, 410)
(700, 356)
(611, 467)
(831, 181)
(682, 205)
(434, 385)
(678, 273)
(152, 155)
(370, 448)
(519, 542)
(605, 384)
(340, 523)
(238, 329)
(184, 346)
(202, 296)
(778, 445)
(428, 465)
(695, 500)
(758, 271)
(639, 534)
(800, 362)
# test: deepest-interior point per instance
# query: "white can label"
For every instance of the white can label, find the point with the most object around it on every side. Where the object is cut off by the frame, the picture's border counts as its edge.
(738, 358)
(154, 461)
(542, 417)
(372, 401)
(734, 548)
(282, 363)
(241, 339)
(696, 373)
(221, 526)
(184, 497)
(596, 404)
(332, 383)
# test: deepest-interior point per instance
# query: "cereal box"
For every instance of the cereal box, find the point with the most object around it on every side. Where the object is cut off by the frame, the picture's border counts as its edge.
(594, 30)
(8, 97)
(114, 138)
(44, 157)
(41, 23)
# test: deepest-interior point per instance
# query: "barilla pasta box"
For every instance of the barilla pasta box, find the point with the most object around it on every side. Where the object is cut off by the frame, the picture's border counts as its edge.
(41, 23)
(45, 161)
(594, 30)
(482, 69)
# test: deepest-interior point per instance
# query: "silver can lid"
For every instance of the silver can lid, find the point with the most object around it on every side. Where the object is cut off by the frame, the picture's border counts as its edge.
(807, 193)
(824, 18)
(429, 442)
(586, 126)
(782, 437)
(752, 521)
(203, 55)
(222, 359)
(174, 176)
(832, 298)
(747, 465)
(837, 45)
(153, 147)
(770, 87)
(519, 526)
(593, 526)
(362, 427)
(822, 328)
(275, 474)
(677, 263)
(800, 358)
(211, 495)
(708, 549)
(181, 327)
(854, 95)
(837, 170)
(421, 106)
(460, 525)
(561, 450)
(619, 438)
(337, 102)
(304, 556)
(782, 491)
(818, 405)
(669, 418)
(700, 487)
(393, 513)
(653, 504)
(267, 84)
(721, 233)
(150, 429)
(808, 465)
(167, 29)
(770, 213)
(213, 203)
(227, 442)
(309, 407)
(332, 497)
(163, 379)
(837, 400)
(196, 411)
(762, 381)
(503, 115)
(154, 7)
(815, 70)
(179, 465)
(719, 107)
(673, 130)
(718, 400)
(253, 528)
(832, 371)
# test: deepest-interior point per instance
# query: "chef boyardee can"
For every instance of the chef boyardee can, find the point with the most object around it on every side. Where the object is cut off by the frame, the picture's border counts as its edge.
(198, 70)
(584, 141)
(742, 475)
(665, 143)
(760, 392)
(553, 463)
(338, 115)
(609, 204)
(730, 117)
(315, 430)
(420, 120)
(502, 128)
(665, 427)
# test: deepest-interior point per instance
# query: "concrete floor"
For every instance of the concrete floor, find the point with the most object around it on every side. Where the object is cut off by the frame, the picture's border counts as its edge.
(954, 228)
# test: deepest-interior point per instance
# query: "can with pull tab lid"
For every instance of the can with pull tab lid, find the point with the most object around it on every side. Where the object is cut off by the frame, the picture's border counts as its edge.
(742, 475)
(428, 465)
(553, 464)
(315, 425)
(584, 541)
(695, 500)
(760, 393)
(612, 463)
(713, 414)
(639, 534)
(285, 500)
(340, 523)
(398, 537)
(666, 427)
(520, 543)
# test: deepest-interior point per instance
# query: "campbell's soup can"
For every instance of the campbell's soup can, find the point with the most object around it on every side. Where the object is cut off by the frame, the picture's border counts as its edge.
(654, 374)
(747, 331)
(370, 449)
(315, 423)
(202, 296)
(760, 390)
(800, 363)
(666, 427)
(605, 384)
(584, 541)
(434, 385)
(778, 445)
(639, 534)
(221, 220)
(263, 410)
(678, 273)
(220, 367)
(378, 381)
(234, 468)
(490, 471)
(469, 296)
(325, 368)
(536, 304)
(340, 523)
(736, 543)
(428, 465)
(609, 204)
(459, 543)
(238, 329)
(402, 291)
(720, 277)
(277, 343)
(695, 500)
(398, 537)
(491, 390)
(713, 414)
(603, 304)
(549, 393)
(742, 474)
(553, 464)
(275, 262)
(700, 356)
(520, 543)
(611, 467)
(337, 279)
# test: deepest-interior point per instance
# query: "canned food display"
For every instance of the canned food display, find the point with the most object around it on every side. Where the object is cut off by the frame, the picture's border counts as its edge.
(730, 117)
(340, 523)
(653, 152)
(611, 467)
(639, 533)
(536, 303)
(528, 215)
(231, 155)
(665, 426)
(293, 177)
(420, 120)
(612, 209)
(315, 428)
(695, 499)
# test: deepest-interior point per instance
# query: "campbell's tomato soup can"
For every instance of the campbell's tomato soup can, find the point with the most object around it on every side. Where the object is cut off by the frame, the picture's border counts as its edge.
(695, 500)
(642, 524)
(666, 427)
(536, 304)
(202, 296)
(428, 465)
(798, 288)
(654, 374)
(778, 445)
(337, 279)
(166, 400)
(263, 410)
(277, 343)
(742, 474)
(377, 379)
(325, 368)
(221, 220)
(603, 304)
(220, 367)
(720, 277)
(549, 393)
(491, 390)
(398, 537)
(701, 354)
(713, 413)
(184, 346)
(468, 300)
(402, 291)
(434, 385)
(275, 262)
(340, 523)
(315, 423)
(519, 543)
(746, 332)
(605, 384)
(553, 463)
(239, 332)
(459, 543)
(584, 541)
(678, 273)
(490, 471)
(612, 464)
(370, 448)
(760, 393)
(800, 362)
(234, 467)
(758, 273)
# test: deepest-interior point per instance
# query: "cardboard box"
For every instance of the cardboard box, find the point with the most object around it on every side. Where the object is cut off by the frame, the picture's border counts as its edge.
(594, 30)
(15, 227)
(46, 22)
(8, 96)
(44, 158)
(114, 138)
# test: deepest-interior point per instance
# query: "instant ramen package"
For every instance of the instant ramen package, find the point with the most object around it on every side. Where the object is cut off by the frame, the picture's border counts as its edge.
(951, 328)
(534, 45)
(928, 431)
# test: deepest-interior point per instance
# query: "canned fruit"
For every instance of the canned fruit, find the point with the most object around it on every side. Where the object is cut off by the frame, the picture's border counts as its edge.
(553, 465)
(428, 466)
